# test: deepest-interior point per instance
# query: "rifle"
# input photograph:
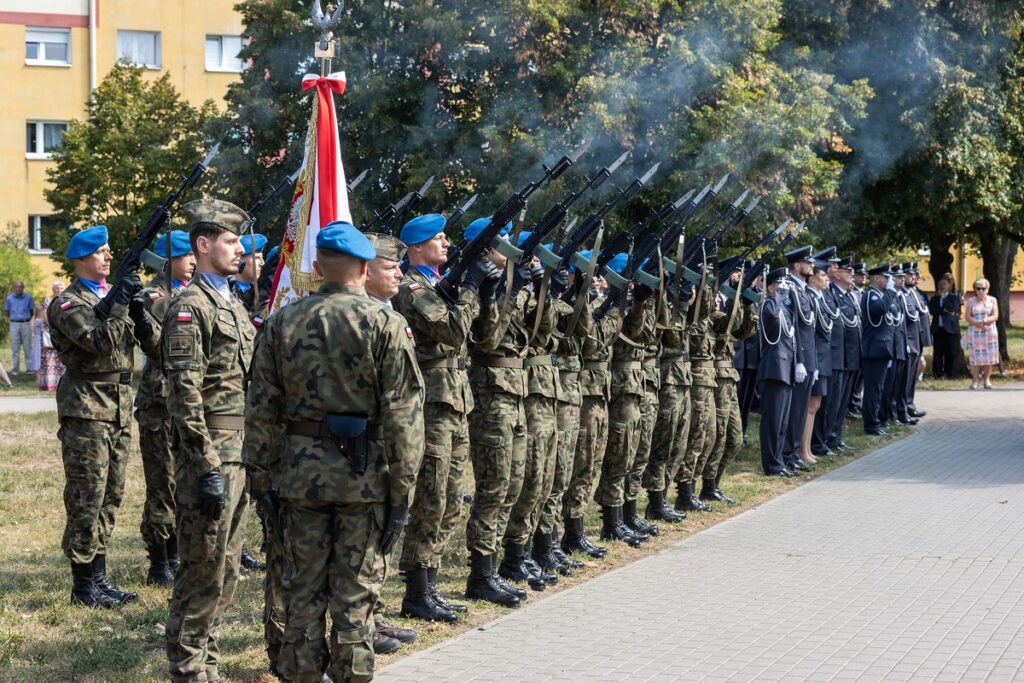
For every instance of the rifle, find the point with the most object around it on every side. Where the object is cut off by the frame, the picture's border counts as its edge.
(447, 286)
(725, 215)
(762, 262)
(460, 212)
(456, 251)
(729, 265)
(415, 198)
(392, 212)
(354, 183)
(157, 221)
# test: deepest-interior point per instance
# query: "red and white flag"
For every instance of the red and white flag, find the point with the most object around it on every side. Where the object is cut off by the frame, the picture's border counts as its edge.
(320, 197)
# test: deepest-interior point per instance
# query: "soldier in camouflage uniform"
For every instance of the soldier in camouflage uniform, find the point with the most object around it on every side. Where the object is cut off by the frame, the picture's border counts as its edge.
(157, 526)
(441, 331)
(703, 416)
(341, 483)
(95, 332)
(207, 346)
(672, 427)
(737, 322)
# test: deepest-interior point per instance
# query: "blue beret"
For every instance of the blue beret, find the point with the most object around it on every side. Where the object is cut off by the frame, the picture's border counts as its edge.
(523, 236)
(345, 238)
(273, 252)
(247, 239)
(584, 253)
(85, 242)
(423, 228)
(179, 244)
(618, 262)
(477, 226)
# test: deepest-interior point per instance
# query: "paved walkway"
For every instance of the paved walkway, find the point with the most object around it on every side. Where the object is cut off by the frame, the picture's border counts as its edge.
(27, 404)
(905, 565)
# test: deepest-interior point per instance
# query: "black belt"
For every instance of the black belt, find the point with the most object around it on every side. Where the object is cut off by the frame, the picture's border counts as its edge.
(227, 423)
(445, 363)
(117, 377)
(320, 430)
(22, 321)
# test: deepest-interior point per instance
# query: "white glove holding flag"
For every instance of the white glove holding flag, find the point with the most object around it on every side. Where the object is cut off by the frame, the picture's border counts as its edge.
(801, 373)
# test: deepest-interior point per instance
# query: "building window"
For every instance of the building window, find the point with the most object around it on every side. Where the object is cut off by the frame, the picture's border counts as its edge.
(139, 47)
(47, 46)
(43, 137)
(39, 230)
(222, 53)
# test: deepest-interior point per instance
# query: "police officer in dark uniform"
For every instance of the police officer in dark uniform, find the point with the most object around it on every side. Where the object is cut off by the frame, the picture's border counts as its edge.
(829, 306)
(801, 264)
(926, 335)
(878, 312)
(777, 371)
(849, 318)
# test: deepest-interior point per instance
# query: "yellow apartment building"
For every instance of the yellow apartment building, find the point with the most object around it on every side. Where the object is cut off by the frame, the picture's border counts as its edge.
(54, 52)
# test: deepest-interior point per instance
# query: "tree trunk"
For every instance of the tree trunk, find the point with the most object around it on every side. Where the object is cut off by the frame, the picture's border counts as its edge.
(998, 253)
(941, 260)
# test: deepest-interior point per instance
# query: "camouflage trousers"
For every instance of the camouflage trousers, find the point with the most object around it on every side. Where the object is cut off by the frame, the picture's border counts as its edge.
(158, 469)
(497, 447)
(648, 418)
(332, 563)
(701, 440)
(567, 420)
(95, 455)
(273, 596)
(592, 439)
(437, 505)
(623, 425)
(538, 472)
(671, 432)
(728, 429)
(204, 584)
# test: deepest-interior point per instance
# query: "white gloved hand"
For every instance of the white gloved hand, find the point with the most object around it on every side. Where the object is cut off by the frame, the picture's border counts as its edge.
(890, 283)
(801, 373)
(815, 376)
(888, 365)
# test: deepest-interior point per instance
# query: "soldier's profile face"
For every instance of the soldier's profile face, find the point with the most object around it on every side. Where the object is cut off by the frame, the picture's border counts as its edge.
(182, 267)
(383, 277)
(221, 254)
(434, 251)
(96, 265)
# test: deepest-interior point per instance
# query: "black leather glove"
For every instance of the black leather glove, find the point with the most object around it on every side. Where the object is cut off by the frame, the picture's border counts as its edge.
(536, 273)
(493, 278)
(642, 293)
(475, 274)
(210, 491)
(521, 276)
(137, 311)
(559, 283)
(398, 515)
(270, 504)
(120, 294)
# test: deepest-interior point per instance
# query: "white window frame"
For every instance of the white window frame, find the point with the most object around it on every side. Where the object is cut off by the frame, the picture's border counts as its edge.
(223, 66)
(158, 47)
(35, 241)
(44, 61)
(39, 152)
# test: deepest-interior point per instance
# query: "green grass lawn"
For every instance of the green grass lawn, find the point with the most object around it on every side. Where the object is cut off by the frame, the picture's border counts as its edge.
(44, 638)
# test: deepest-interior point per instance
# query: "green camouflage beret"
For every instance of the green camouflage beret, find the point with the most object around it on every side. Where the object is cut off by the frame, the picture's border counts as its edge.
(387, 246)
(217, 212)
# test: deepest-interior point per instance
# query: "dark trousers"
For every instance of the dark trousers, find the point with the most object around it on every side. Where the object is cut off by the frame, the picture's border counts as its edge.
(775, 402)
(912, 362)
(797, 417)
(888, 409)
(945, 351)
(839, 408)
(746, 393)
(873, 372)
(899, 389)
(857, 390)
(822, 423)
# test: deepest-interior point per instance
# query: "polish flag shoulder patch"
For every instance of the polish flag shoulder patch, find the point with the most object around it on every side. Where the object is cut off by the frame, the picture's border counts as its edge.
(408, 332)
(155, 295)
(184, 316)
(66, 305)
(257, 321)
(415, 286)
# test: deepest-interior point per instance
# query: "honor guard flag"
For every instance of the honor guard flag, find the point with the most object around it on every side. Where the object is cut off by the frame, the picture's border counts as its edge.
(320, 197)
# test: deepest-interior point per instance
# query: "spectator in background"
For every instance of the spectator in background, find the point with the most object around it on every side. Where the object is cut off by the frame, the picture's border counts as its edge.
(20, 310)
(944, 307)
(982, 339)
(50, 368)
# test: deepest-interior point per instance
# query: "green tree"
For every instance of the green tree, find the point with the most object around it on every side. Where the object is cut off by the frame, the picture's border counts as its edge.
(119, 164)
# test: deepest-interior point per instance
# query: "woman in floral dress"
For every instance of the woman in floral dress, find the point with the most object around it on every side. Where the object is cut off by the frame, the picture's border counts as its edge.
(982, 312)
(50, 368)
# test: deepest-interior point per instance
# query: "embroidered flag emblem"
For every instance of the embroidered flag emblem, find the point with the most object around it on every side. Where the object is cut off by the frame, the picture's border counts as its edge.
(257, 321)
(408, 332)
(66, 305)
(184, 316)
(414, 286)
(155, 295)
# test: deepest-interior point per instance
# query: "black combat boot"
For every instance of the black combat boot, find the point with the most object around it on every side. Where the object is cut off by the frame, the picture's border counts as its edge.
(417, 602)
(709, 491)
(718, 487)
(542, 554)
(635, 522)
(173, 560)
(612, 528)
(480, 584)
(575, 539)
(658, 510)
(100, 580)
(160, 573)
(560, 555)
(539, 578)
(83, 592)
(436, 596)
(384, 645)
(686, 501)
(512, 567)
(500, 583)
(249, 562)
(389, 630)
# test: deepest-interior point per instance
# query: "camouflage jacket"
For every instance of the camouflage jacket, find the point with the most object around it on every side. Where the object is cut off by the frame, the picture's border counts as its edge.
(88, 346)
(441, 334)
(502, 334)
(654, 323)
(151, 399)
(207, 348)
(258, 315)
(675, 358)
(628, 374)
(336, 351)
(570, 349)
(743, 326)
(597, 348)
(542, 379)
(702, 340)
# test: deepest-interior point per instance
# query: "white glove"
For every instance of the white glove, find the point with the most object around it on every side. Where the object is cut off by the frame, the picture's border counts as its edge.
(888, 365)
(890, 283)
(815, 376)
(908, 348)
(801, 373)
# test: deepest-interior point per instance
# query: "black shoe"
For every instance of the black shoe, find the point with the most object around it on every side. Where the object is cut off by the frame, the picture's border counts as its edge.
(612, 528)
(542, 554)
(635, 522)
(437, 597)
(539, 577)
(84, 592)
(575, 539)
(657, 510)
(908, 421)
(503, 585)
(480, 584)
(560, 555)
(799, 466)
(418, 603)
(173, 560)
(402, 635)
(512, 567)
(160, 573)
(709, 491)
(383, 645)
(724, 498)
(103, 584)
(250, 563)
(876, 431)
(686, 501)
(822, 452)
(914, 412)
(783, 473)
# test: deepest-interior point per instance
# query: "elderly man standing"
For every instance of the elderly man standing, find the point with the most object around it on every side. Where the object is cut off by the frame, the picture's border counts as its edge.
(21, 312)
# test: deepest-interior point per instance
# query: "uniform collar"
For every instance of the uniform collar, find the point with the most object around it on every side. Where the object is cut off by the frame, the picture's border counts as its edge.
(338, 288)
(429, 272)
(218, 283)
(97, 287)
